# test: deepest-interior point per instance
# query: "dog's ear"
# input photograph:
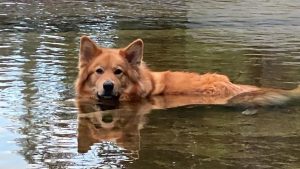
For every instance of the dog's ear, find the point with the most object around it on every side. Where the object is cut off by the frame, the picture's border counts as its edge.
(88, 49)
(134, 52)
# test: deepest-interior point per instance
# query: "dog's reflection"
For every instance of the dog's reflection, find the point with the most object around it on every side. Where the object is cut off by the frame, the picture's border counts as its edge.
(121, 124)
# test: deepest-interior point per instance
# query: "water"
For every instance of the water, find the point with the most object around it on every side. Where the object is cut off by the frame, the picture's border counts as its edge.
(253, 42)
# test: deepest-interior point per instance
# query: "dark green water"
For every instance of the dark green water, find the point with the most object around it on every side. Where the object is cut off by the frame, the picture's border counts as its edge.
(253, 42)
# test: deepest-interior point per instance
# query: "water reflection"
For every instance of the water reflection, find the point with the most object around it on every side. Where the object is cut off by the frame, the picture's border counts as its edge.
(122, 135)
(105, 123)
(111, 131)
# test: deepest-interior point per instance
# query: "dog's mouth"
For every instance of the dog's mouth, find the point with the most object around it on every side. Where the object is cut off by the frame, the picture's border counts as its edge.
(104, 105)
(108, 102)
(108, 96)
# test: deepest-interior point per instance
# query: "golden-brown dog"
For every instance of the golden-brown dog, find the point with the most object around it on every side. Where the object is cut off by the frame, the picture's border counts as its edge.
(108, 73)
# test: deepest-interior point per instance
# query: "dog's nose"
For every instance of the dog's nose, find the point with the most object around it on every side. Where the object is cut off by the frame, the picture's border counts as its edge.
(108, 86)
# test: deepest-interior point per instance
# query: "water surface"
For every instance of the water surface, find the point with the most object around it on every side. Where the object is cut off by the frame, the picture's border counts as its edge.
(252, 42)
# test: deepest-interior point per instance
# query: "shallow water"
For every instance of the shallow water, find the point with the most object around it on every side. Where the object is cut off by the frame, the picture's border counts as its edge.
(252, 42)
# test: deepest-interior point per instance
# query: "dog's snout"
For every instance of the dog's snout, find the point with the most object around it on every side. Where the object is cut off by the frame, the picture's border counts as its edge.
(108, 91)
(108, 86)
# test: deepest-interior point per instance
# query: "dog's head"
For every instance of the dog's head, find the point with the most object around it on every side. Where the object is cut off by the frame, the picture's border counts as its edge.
(106, 72)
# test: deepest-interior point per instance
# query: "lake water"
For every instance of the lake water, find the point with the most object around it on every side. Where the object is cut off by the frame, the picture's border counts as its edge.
(253, 42)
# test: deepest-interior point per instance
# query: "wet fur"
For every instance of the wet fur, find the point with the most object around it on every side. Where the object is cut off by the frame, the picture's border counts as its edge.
(137, 81)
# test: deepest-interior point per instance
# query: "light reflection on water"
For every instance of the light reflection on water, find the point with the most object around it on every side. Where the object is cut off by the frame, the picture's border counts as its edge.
(252, 42)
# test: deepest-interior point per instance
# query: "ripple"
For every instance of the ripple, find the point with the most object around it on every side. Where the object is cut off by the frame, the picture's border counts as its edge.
(55, 37)
(4, 46)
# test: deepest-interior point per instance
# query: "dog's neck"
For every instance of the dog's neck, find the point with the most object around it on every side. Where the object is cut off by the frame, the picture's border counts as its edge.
(149, 83)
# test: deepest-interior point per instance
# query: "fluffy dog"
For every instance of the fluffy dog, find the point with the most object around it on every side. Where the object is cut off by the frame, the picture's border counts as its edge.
(120, 74)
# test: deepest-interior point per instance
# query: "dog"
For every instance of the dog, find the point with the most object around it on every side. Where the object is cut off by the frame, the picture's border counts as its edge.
(120, 74)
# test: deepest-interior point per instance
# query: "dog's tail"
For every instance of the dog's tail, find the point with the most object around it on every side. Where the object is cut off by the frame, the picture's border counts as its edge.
(264, 97)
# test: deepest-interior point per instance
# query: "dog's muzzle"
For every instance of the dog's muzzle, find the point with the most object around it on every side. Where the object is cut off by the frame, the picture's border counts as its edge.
(108, 91)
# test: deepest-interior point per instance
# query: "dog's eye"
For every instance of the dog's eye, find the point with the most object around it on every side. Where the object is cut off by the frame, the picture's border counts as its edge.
(118, 72)
(99, 71)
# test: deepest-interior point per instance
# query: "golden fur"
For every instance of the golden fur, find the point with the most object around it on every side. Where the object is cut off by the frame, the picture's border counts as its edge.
(132, 80)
